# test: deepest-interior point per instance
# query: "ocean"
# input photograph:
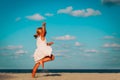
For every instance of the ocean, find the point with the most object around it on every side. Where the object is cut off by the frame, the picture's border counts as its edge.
(61, 70)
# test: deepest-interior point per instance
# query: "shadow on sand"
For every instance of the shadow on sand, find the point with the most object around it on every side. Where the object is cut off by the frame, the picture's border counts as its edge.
(47, 73)
(53, 74)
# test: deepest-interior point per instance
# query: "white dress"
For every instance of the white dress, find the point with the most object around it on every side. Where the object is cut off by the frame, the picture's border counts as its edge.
(42, 50)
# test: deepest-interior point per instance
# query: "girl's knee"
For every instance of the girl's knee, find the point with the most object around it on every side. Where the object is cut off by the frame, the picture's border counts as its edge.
(52, 57)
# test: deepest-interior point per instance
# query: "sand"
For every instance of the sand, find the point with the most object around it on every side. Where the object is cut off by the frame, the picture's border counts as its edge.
(60, 76)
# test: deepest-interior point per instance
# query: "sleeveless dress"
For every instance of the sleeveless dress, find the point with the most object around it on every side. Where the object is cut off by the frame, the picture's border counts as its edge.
(42, 50)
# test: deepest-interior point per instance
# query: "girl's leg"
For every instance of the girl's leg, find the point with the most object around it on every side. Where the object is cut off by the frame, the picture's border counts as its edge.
(46, 59)
(42, 63)
(35, 69)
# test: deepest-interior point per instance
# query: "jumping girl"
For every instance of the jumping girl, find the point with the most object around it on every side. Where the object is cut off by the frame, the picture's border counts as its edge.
(43, 53)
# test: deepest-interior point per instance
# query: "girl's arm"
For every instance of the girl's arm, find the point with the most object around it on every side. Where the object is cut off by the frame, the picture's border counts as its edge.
(50, 43)
(44, 29)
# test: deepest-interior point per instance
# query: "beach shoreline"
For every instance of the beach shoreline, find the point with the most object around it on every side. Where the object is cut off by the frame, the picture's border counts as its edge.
(60, 76)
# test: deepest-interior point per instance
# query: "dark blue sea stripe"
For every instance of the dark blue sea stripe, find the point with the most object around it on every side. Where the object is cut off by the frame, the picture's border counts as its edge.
(62, 70)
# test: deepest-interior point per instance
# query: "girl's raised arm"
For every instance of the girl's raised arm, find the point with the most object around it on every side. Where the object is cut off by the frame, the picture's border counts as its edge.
(44, 28)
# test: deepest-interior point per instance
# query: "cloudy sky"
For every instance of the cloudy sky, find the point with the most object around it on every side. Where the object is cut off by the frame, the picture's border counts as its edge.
(86, 33)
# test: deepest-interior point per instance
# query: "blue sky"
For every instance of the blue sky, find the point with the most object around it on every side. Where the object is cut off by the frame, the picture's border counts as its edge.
(86, 33)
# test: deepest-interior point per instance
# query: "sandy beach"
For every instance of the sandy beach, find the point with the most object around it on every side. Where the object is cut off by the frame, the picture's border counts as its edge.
(60, 76)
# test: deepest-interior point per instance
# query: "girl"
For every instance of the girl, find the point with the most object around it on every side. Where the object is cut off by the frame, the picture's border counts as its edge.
(43, 53)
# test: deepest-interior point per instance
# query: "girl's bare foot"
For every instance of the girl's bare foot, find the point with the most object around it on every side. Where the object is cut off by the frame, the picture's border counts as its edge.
(33, 74)
(35, 69)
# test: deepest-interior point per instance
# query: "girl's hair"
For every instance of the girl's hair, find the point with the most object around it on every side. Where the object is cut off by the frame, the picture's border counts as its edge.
(37, 32)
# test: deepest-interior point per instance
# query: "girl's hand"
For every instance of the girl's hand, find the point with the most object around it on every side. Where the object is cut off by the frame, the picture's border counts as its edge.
(50, 43)
(44, 23)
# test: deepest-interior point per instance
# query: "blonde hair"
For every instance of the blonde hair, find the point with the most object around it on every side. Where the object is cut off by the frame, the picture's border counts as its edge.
(38, 32)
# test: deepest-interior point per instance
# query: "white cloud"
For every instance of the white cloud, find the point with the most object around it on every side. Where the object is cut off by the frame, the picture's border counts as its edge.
(79, 13)
(107, 45)
(49, 14)
(66, 10)
(11, 47)
(111, 45)
(78, 44)
(108, 37)
(12, 50)
(86, 13)
(18, 19)
(66, 37)
(59, 55)
(61, 51)
(36, 17)
(91, 51)
(20, 52)
(92, 12)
